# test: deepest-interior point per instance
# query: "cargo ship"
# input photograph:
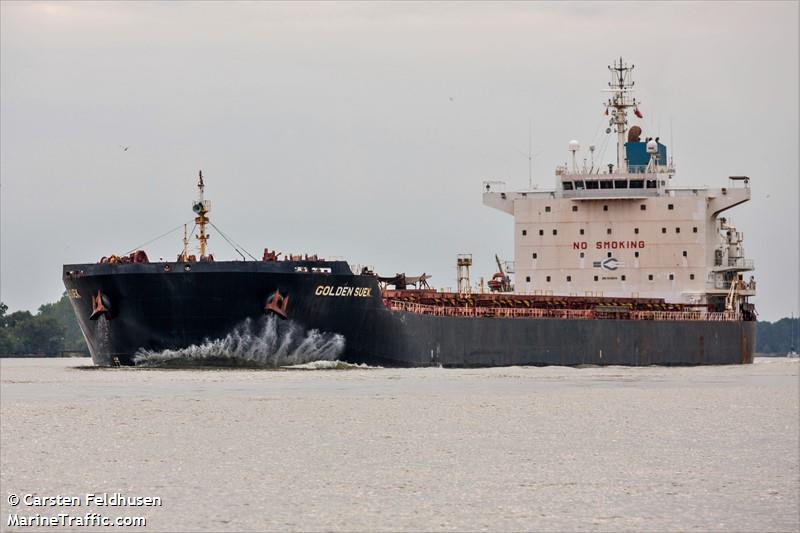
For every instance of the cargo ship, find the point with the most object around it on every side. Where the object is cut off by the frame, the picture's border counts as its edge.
(615, 265)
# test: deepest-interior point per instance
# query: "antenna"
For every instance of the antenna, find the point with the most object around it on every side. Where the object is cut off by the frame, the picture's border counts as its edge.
(530, 157)
(621, 85)
(671, 143)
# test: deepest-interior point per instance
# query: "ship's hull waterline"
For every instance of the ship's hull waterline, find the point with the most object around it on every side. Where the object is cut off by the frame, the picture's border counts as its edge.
(157, 306)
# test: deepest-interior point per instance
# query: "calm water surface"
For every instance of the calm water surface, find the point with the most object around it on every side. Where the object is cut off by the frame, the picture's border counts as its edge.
(605, 449)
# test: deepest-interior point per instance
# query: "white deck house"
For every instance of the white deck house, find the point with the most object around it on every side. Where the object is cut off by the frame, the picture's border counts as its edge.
(628, 231)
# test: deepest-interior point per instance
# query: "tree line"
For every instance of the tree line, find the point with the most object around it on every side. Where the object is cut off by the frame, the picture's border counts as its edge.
(775, 338)
(53, 330)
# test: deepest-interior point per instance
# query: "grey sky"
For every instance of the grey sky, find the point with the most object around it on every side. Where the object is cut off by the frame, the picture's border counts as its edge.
(365, 130)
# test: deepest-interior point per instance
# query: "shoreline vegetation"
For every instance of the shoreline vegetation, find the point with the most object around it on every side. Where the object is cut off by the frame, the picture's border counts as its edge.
(54, 332)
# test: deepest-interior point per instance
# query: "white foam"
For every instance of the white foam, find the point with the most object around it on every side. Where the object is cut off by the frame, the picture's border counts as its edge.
(329, 365)
(784, 359)
(266, 342)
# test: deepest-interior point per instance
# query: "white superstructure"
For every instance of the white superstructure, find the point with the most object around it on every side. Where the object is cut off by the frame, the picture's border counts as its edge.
(625, 230)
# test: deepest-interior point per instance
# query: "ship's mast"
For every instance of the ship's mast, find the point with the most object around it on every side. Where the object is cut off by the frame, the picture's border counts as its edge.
(185, 253)
(621, 87)
(201, 209)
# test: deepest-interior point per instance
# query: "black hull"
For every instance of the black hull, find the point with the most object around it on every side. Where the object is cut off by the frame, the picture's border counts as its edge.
(153, 308)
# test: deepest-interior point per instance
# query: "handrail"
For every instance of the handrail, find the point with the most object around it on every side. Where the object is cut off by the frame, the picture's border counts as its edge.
(573, 314)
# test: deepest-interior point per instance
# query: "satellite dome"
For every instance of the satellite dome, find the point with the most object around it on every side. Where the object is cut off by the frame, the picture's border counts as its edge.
(574, 146)
(652, 147)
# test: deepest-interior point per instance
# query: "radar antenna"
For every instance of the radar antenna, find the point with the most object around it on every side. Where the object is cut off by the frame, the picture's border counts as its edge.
(621, 85)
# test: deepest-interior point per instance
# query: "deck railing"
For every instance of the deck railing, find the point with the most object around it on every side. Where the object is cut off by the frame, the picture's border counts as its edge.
(573, 314)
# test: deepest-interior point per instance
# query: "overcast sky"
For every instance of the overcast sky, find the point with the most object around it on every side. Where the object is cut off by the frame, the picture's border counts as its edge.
(365, 130)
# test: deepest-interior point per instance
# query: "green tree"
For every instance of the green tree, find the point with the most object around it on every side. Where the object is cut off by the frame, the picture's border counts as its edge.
(42, 335)
(53, 329)
(776, 337)
(16, 318)
(7, 341)
(63, 313)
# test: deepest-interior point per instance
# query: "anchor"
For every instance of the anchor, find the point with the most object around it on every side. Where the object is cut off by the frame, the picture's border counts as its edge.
(277, 303)
(100, 306)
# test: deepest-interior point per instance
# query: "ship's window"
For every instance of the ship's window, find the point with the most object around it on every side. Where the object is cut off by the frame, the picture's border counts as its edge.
(591, 185)
(547, 209)
(609, 254)
(582, 231)
(533, 255)
(548, 279)
(694, 229)
(541, 232)
(636, 230)
(677, 230)
(650, 277)
(606, 184)
(670, 207)
(582, 255)
(569, 278)
(643, 207)
(620, 184)
(651, 184)
(595, 278)
(524, 232)
(623, 277)
(567, 185)
(579, 185)
(605, 208)
(691, 276)
(527, 278)
(637, 184)
(663, 230)
(574, 207)
(555, 232)
(671, 277)
(608, 231)
(635, 254)
(685, 254)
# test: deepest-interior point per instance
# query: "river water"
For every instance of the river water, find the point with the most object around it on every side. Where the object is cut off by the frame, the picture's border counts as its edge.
(366, 449)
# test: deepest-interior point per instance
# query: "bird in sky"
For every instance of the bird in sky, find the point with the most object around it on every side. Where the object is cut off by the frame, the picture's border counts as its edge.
(124, 148)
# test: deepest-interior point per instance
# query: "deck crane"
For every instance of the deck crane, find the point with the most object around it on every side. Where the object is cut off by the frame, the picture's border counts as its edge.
(500, 282)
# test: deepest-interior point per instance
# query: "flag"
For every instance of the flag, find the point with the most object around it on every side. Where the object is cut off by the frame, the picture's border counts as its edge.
(637, 112)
